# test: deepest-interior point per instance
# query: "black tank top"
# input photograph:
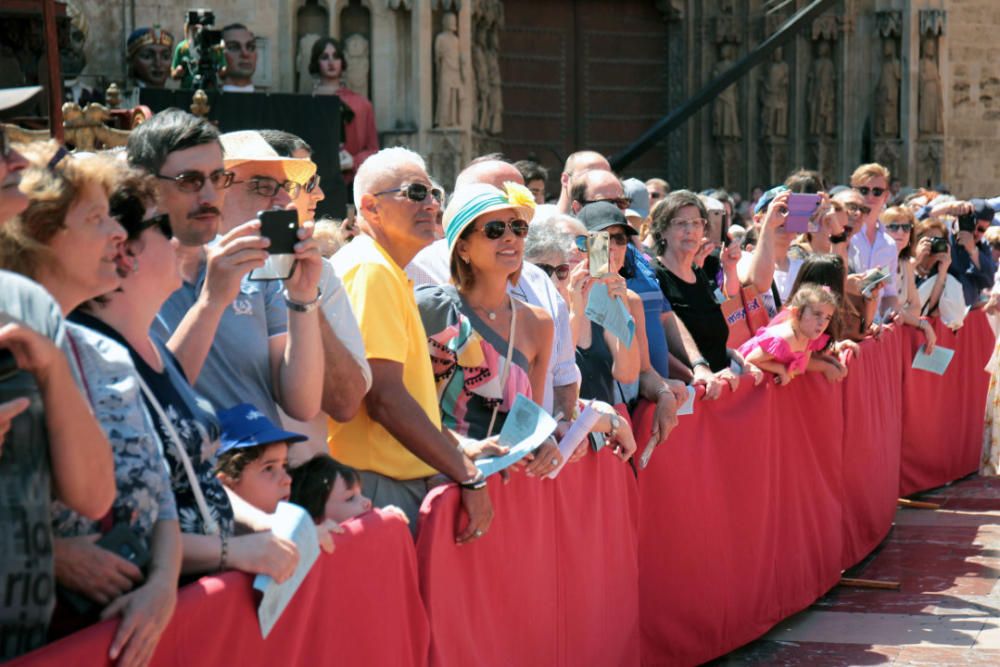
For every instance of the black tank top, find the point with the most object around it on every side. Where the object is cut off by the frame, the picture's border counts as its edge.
(595, 364)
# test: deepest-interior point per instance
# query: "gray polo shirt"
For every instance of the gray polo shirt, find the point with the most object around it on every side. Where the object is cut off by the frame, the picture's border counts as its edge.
(238, 367)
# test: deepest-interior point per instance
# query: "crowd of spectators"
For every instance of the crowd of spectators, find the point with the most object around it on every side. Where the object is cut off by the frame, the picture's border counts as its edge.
(154, 389)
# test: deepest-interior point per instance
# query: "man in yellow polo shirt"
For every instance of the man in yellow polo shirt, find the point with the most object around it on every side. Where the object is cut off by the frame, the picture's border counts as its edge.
(396, 440)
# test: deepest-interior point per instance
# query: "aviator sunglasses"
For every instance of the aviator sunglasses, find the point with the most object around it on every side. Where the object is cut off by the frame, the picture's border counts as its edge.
(864, 190)
(415, 192)
(495, 229)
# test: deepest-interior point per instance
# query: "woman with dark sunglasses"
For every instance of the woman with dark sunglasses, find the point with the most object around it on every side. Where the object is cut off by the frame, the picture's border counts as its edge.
(486, 346)
(899, 224)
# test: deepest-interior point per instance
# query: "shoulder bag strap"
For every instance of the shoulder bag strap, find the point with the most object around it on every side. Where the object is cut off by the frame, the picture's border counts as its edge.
(210, 524)
(506, 364)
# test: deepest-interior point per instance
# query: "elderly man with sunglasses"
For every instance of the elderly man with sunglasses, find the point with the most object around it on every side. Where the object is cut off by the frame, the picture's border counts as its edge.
(237, 340)
(871, 245)
(396, 439)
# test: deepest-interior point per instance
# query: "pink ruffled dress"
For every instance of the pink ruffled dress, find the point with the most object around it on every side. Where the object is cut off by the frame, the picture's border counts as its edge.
(771, 342)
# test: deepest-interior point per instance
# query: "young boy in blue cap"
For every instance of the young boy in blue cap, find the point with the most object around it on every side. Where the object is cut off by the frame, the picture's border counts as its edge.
(253, 457)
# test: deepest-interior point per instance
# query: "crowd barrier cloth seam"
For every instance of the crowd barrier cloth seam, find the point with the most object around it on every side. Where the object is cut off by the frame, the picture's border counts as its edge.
(749, 513)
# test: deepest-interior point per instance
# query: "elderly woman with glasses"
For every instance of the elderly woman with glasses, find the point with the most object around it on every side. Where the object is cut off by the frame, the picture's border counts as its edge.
(486, 346)
(678, 229)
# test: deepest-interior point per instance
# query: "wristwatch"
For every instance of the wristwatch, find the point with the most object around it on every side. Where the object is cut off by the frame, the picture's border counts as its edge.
(300, 307)
(474, 483)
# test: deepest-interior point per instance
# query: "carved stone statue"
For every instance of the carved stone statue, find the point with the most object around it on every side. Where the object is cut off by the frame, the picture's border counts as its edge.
(306, 82)
(887, 92)
(774, 93)
(358, 63)
(482, 71)
(930, 119)
(725, 110)
(450, 72)
(822, 93)
(496, 82)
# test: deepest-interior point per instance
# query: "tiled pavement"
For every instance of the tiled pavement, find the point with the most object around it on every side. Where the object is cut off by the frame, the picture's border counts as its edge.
(947, 611)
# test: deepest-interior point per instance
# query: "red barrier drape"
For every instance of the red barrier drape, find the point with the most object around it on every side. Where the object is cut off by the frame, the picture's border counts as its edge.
(943, 415)
(748, 513)
(553, 582)
(359, 605)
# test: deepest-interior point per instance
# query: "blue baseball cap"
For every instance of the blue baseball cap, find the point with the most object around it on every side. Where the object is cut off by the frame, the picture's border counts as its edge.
(246, 426)
(768, 197)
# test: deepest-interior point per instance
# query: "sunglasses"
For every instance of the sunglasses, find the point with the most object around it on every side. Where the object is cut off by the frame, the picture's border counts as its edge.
(162, 222)
(857, 208)
(415, 192)
(618, 238)
(561, 271)
(269, 187)
(311, 184)
(621, 202)
(864, 190)
(899, 227)
(495, 229)
(194, 181)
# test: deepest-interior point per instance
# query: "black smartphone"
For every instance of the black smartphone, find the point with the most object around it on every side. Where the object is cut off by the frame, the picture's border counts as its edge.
(281, 226)
(939, 245)
(967, 222)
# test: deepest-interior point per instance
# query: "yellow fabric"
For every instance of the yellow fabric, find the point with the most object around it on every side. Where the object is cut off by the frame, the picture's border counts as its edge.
(381, 296)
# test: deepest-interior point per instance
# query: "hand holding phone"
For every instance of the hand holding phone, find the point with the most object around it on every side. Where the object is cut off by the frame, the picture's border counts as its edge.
(599, 254)
(281, 227)
(872, 280)
(801, 208)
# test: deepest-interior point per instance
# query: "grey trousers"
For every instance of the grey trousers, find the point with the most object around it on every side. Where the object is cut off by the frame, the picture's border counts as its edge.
(407, 494)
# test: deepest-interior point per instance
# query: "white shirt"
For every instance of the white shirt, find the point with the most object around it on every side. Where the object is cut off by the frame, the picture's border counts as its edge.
(431, 266)
(865, 256)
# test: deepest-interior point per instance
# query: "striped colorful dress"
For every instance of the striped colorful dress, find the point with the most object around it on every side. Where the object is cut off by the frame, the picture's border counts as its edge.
(468, 358)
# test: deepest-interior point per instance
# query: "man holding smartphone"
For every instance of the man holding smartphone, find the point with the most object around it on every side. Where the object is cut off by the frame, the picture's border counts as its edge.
(237, 340)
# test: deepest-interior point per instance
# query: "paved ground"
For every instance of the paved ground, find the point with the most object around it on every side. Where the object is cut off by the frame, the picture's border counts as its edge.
(947, 611)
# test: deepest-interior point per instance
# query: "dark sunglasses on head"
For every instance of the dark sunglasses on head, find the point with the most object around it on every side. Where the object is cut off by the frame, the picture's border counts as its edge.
(194, 181)
(415, 192)
(621, 202)
(266, 186)
(495, 229)
(864, 190)
(899, 227)
(561, 271)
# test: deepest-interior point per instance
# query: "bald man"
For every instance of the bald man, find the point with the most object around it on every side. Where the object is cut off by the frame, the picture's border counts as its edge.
(578, 163)
(534, 287)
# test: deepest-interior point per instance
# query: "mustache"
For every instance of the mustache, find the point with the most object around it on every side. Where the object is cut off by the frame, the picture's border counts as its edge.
(205, 210)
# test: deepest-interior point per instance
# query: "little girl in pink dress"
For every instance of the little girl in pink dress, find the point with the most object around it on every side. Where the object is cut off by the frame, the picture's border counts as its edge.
(785, 345)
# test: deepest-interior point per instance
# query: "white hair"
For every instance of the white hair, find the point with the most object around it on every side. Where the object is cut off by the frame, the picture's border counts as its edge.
(384, 163)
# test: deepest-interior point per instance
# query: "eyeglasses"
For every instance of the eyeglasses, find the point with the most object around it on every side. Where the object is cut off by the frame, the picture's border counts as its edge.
(266, 186)
(194, 181)
(694, 223)
(561, 271)
(621, 202)
(899, 227)
(311, 184)
(495, 229)
(864, 190)
(855, 209)
(415, 192)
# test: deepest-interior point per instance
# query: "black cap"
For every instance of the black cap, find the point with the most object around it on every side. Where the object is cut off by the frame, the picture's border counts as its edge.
(599, 215)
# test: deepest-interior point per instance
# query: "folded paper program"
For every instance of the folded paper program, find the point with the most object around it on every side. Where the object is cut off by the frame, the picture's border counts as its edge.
(610, 313)
(526, 427)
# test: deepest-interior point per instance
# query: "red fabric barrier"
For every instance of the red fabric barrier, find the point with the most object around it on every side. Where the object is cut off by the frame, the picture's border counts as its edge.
(872, 427)
(359, 605)
(557, 571)
(741, 516)
(943, 415)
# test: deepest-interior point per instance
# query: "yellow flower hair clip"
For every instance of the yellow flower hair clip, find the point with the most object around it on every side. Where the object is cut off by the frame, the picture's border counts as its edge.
(518, 195)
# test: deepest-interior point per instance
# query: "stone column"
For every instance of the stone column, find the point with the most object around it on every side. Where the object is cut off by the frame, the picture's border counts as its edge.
(930, 99)
(449, 148)
(888, 98)
(727, 132)
(822, 97)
